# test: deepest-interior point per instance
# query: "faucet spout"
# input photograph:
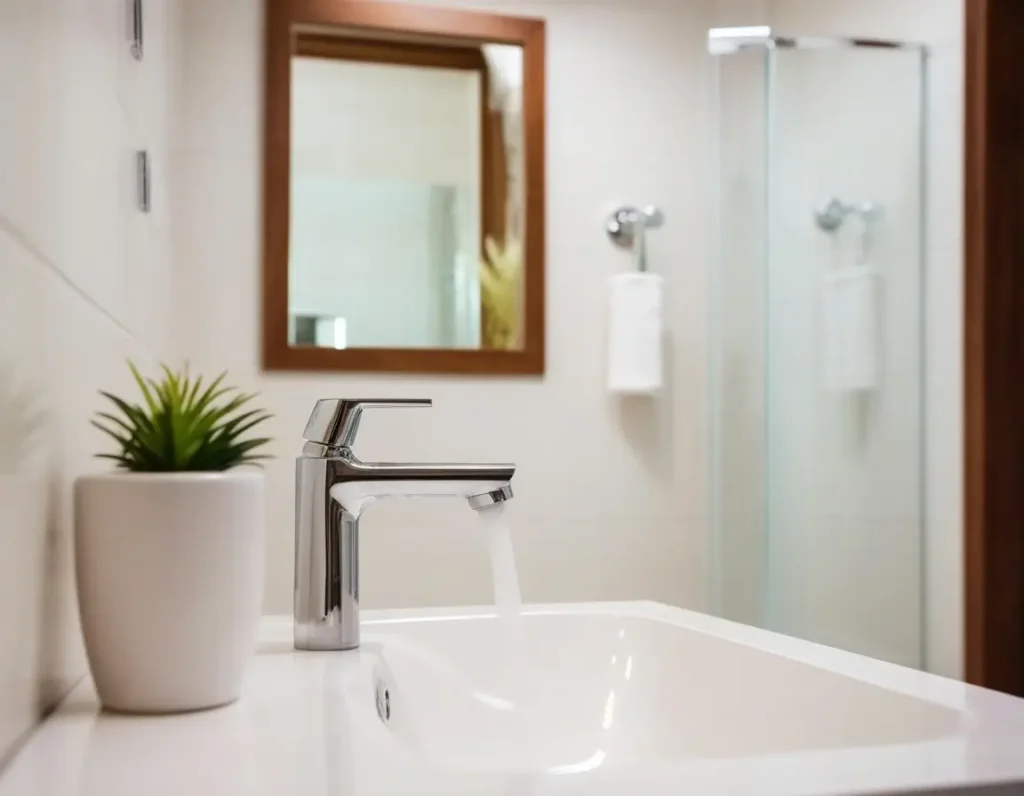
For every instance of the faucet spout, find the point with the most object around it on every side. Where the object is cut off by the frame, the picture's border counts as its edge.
(355, 484)
(483, 501)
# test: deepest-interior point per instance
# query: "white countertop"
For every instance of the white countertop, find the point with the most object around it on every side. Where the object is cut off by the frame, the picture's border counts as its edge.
(288, 735)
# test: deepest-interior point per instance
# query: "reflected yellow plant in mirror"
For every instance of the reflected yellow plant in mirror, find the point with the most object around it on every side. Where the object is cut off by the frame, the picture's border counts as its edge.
(501, 276)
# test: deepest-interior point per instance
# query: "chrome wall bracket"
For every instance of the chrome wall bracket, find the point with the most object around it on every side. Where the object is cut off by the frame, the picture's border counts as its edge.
(627, 228)
(136, 11)
(143, 180)
(832, 213)
(622, 224)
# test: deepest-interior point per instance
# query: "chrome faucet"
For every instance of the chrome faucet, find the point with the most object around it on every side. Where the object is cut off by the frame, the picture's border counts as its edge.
(332, 488)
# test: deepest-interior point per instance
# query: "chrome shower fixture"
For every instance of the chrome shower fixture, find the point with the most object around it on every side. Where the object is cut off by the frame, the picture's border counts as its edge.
(832, 213)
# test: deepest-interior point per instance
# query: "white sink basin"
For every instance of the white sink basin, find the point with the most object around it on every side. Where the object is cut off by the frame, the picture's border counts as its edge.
(584, 700)
(571, 692)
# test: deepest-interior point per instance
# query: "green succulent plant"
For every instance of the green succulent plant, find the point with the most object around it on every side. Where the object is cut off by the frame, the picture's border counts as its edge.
(183, 426)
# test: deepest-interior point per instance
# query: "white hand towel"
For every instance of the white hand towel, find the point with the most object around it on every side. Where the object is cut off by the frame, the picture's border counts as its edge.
(634, 333)
(850, 331)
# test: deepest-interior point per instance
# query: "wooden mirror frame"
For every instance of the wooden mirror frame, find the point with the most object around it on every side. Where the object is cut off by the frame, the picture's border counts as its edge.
(282, 19)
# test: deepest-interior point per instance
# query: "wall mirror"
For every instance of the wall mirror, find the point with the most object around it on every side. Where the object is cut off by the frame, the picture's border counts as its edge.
(403, 189)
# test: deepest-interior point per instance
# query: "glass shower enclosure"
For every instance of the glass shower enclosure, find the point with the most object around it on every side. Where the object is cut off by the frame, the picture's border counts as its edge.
(817, 345)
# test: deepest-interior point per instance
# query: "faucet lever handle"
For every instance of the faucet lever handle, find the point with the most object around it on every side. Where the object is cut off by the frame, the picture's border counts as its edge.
(335, 421)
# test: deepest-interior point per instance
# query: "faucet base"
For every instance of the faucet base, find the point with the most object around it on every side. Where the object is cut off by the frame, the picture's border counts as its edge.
(326, 607)
(324, 637)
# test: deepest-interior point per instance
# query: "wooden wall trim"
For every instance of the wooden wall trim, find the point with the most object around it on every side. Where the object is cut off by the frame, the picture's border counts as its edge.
(994, 346)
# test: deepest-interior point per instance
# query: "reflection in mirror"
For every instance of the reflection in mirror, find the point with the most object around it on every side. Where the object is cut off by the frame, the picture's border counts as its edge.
(407, 194)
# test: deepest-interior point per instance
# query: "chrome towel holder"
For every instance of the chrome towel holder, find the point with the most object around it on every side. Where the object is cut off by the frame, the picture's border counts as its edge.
(627, 228)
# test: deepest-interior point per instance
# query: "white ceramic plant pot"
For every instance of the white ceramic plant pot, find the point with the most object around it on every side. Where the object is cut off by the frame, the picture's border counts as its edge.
(170, 583)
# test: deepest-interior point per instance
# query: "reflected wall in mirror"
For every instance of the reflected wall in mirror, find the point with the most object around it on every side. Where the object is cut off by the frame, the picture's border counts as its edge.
(404, 189)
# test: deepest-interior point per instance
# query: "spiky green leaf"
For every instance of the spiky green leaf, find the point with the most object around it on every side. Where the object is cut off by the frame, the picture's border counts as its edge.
(183, 424)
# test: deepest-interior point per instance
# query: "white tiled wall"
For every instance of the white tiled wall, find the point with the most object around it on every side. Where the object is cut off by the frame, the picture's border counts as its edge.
(610, 494)
(84, 281)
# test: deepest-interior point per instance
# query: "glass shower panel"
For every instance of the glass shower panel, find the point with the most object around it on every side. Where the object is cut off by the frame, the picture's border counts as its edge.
(738, 371)
(817, 340)
(844, 330)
